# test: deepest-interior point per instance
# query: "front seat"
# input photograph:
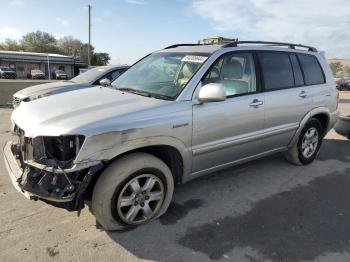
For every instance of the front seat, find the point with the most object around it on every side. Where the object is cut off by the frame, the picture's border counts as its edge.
(231, 78)
(187, 72)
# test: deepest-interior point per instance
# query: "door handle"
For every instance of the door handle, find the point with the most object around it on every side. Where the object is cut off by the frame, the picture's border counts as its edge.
(303, 94)
(256, 103)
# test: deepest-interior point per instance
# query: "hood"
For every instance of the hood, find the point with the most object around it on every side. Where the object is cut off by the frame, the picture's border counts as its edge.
(43, 89)
(84, 111)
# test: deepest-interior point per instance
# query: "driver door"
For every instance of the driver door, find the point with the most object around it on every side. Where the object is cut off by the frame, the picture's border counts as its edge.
(228, 131)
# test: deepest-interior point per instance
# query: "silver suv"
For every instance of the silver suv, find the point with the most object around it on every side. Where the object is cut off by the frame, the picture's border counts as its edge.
(177, 114)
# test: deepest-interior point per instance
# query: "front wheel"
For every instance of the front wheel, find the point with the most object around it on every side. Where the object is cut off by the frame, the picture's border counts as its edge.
(308, 146)
(133, 190)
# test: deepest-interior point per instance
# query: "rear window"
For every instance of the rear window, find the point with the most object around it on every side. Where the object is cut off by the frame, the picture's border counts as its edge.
(312, 70)
(277, 70)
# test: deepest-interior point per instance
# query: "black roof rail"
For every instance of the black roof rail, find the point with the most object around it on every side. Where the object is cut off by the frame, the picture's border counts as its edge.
(290, 45)
(177, 45)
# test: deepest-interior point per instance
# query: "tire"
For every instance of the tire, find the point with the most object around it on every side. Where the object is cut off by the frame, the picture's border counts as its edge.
(118, 180)
(296, 155)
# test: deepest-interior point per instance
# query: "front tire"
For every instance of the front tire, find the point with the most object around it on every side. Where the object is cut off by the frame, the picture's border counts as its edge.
(308, 145)
(133, 190)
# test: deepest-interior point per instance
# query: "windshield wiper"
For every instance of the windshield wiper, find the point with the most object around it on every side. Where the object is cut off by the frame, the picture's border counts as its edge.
(145, 93)
(134, 91)
(160, 96)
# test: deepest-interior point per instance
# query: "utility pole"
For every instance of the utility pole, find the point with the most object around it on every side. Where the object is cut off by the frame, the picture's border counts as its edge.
(89, 54)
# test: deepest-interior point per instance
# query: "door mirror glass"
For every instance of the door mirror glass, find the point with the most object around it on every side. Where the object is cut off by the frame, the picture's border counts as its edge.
(105, 82)
(213, 92)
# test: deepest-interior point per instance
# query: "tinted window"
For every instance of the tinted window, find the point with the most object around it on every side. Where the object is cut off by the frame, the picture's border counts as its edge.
(312, 70)
(277, 70)
(298, 75)
(236, 72)
(116, 74)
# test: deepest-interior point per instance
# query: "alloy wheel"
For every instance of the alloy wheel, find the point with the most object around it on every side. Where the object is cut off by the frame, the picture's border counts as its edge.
(140, 199)
(310, 142)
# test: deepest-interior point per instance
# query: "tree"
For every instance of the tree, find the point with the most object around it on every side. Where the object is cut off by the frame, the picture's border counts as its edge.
(70, 46)
(11, 45)
(100, 59)
(336, 67)
(84, 52)
(43, 42)
(74, 47)
(40, 42)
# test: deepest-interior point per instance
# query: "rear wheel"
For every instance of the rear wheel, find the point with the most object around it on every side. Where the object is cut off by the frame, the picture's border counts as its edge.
(133, 190)
(308, 146)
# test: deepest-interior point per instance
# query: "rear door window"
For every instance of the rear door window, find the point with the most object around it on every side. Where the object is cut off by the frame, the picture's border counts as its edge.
(277, 70)
(298, 75)
(312, 70)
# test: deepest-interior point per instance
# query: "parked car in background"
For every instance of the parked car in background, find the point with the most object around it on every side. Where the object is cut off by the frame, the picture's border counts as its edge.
(343, 84)
(179, 113)
(59, 74)
(96, 76)
(36, 74)
(8, 73)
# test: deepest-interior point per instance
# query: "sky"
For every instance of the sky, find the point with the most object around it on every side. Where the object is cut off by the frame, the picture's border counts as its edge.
(130, 29)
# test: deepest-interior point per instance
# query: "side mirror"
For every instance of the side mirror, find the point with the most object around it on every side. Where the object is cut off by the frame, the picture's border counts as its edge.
(105, 82)
(212, 92)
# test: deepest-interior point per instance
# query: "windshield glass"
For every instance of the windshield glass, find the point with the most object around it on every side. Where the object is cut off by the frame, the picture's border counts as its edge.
(6, 69)
(89, 76)
(60, 72)
(160, 75)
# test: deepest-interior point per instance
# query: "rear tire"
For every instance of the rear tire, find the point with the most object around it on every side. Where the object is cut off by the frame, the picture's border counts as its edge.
(309, 142)
(126, 188)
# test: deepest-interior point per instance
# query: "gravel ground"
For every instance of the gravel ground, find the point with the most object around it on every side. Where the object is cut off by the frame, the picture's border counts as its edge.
(267, 210)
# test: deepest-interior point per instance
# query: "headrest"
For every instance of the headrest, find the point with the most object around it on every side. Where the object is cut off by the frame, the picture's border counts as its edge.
(232, 70)
(188, 70)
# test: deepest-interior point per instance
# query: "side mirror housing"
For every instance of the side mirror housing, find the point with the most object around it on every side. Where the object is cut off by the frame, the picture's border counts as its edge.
(212, 92)
(105, 82)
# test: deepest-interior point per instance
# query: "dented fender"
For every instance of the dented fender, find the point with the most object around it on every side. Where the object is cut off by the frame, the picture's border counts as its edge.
(110, 145)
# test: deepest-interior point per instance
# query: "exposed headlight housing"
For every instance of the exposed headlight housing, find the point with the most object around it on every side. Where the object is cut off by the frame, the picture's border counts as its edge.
(51, 151)
(57, 151)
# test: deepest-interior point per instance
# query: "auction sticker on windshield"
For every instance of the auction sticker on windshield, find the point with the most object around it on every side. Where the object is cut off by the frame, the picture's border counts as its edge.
(194, 59)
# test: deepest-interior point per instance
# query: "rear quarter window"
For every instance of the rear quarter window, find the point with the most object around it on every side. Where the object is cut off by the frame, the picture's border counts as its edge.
(313, 73)
(277, 70)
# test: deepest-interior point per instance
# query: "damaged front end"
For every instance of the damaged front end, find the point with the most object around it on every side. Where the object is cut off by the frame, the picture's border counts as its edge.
(41, 168)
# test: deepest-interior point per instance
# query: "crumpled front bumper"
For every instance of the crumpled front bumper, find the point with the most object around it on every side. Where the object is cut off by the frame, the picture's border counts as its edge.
(14, 170)
(64, 190)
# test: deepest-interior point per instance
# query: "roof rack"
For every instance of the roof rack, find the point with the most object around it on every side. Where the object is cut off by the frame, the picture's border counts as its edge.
(290, 45)
(177, 45)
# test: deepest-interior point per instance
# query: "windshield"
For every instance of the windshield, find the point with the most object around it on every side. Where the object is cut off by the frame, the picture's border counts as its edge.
(89, 76)
(160, 75)
(60, 72)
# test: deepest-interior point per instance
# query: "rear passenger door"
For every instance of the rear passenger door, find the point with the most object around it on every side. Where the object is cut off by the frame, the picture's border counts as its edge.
(286, 97)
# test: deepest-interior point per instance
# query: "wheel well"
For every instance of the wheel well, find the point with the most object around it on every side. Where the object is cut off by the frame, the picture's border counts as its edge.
(168, 154)
(323, 118)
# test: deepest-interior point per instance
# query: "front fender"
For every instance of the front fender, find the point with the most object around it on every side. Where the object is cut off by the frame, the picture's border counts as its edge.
(111, 145)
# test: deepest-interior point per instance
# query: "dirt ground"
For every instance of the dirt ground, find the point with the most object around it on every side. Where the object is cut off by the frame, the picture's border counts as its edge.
(266, 210)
